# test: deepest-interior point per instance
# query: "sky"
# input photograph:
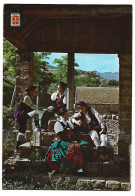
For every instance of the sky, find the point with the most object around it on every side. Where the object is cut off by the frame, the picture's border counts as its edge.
(91, 62)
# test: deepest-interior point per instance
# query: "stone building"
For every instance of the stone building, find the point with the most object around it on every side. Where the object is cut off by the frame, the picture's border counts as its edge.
(104, 99)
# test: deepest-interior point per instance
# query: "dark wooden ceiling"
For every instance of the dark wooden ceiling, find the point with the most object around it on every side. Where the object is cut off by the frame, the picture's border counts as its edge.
(77, 28)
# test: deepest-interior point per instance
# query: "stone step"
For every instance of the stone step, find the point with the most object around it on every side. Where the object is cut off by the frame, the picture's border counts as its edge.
(47, 137)
(104, 183)
(51, 125)
(83, 136)
(87, 183)
(28, 134)
(102, 169)
(26, 150)
(91, 169)
(16, 163)
(94, 168)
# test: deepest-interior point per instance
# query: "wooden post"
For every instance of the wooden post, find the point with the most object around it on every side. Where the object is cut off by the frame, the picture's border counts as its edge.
(70, 81)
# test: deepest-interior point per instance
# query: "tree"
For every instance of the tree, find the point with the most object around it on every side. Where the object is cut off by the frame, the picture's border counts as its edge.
(113, 83)
(9, 55)
(90, 79)
(42, 77)
(81, 79)
(61, 69)
(9, 70)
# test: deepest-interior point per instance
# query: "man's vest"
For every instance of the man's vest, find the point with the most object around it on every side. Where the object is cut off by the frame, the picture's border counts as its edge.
(93, 125)
(22, 106)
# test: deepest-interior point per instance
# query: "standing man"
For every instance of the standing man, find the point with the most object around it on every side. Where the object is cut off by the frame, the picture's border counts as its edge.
(22, 110)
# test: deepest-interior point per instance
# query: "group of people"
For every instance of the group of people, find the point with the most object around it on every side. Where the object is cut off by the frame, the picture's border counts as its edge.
(65, 149)
(26, 109)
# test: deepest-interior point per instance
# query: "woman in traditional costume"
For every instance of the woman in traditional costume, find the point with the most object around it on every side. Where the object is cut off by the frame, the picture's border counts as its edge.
(65, 150)
(59, 100)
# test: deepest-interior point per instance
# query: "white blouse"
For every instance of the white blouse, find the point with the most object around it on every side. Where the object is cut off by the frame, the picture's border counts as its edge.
(88, 119)
(54, 96)
(58, 127)
(27, 100)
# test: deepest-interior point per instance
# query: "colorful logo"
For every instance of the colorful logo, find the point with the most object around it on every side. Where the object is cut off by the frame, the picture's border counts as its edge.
(15, 20)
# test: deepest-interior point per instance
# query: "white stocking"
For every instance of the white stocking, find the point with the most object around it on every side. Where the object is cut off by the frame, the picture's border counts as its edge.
(103, 139)
(95, 138)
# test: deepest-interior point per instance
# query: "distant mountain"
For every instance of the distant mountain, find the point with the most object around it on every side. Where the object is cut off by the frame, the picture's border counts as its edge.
(106, 75)
(109, 75)
(51, 68)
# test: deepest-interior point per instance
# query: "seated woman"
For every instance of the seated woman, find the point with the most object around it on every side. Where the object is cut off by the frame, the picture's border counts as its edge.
(58, 100)
(65, 150)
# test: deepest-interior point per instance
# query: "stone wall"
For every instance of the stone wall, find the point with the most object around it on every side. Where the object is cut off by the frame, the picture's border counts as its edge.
(125, 106)
(24, 72)
(24, 76)
(125, 86)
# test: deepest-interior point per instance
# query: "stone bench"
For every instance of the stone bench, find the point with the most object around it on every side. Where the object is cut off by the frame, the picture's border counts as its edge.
(28, 134)
(91, 169)
(26, 150)
(51, 125)
(104, 184)
(47, 137)
(85, 182)
(102, 169)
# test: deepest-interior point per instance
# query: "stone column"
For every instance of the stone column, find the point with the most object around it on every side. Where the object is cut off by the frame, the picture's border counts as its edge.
(125, 105)
(70, 81)
(24, 75)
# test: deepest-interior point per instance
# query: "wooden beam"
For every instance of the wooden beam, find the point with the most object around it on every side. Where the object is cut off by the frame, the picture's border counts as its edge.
(110, 47)
(63, 11)
(119, 27)
(129, 45)
(70, 79)
(58, 30)
(15, 39)
(33, 27)
(92, 35)
(27, 27)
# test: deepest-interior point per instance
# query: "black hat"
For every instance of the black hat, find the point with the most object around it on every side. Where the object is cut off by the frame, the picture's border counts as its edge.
(81, 103)
(30, 88)
(63, 85)
(62, 111)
